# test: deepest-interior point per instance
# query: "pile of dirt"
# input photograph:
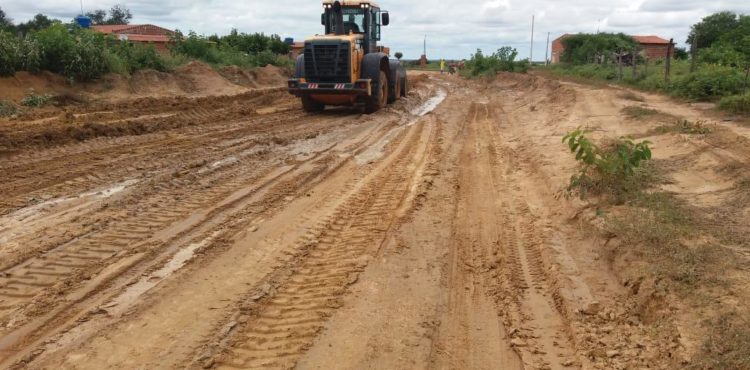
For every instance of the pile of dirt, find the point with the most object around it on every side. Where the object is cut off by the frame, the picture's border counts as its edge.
(198, 78)
(16, 87)
(195, 79)
(268, 76)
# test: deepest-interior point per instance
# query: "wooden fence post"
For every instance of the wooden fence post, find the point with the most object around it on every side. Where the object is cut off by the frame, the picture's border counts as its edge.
(668, 62)
(694, 53)
(619, 65)
(634, 58)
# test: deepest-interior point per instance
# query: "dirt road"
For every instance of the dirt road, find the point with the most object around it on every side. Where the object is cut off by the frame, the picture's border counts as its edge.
(239, 232)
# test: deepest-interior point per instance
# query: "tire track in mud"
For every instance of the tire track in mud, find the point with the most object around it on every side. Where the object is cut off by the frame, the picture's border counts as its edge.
(171, 172)
(163, 215)
(522, 287)
(69, 172)
(470, 334)
(277, 192)
(279, 328)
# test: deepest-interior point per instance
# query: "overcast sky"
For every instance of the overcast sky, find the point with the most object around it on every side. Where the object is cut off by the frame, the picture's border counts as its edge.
(454, 29)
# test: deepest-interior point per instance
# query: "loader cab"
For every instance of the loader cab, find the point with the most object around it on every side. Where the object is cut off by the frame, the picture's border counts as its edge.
(359, 18)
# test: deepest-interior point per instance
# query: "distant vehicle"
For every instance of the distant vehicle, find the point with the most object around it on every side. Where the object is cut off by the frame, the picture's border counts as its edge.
(346, 66)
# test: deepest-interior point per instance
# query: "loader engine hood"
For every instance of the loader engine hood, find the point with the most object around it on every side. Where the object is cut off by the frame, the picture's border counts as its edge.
(329, 58)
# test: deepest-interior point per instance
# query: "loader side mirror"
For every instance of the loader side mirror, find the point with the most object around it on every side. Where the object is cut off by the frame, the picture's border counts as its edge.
(386, 19)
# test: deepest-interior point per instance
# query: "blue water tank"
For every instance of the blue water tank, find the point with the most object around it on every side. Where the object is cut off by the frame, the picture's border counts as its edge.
(289, 41)
(83, 21)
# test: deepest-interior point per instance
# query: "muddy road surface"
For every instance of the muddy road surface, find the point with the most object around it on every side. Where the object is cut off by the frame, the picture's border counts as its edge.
(237, 231)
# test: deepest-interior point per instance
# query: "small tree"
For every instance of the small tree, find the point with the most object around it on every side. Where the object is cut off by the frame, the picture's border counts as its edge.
(399, 55)
(98, 16)
(710, 29)
(119, 15)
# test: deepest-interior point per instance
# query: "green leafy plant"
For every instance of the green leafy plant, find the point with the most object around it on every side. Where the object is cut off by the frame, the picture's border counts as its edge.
(610, 170)
(36, 100)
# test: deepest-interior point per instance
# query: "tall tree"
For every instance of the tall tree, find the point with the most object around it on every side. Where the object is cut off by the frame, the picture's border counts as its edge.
(39, 22)
(119, 15)
(5, 22)
(98, 16)
(711, 28)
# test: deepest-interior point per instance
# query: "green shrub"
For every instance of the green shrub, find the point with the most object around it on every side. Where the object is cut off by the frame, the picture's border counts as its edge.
(78, 54)
(707, 83)
(610, 170)
(501, 60)
(9, 54)
(36, 100)
(137, 56)
(30, 55)
(736, 103)
(221, 53)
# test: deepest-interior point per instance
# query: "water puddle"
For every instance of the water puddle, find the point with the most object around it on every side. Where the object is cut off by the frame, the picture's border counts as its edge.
(27, 212)
(146, 283)
(431, 103)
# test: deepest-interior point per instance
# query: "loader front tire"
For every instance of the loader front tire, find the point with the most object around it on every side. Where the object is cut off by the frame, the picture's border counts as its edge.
(379, 97)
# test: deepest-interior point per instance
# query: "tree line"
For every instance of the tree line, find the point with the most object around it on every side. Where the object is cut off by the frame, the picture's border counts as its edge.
(81, 55)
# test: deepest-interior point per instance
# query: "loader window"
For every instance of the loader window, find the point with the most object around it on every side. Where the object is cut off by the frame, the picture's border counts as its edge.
(354, 20)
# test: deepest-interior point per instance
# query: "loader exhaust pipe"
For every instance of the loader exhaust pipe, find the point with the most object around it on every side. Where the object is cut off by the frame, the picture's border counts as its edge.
(339, 17)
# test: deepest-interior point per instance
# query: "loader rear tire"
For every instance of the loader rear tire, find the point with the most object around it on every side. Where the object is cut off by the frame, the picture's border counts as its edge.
(396, 92)
(379, 97)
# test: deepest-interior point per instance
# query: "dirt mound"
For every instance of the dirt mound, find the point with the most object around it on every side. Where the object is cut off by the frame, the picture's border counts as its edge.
(200, 79)
(16, 87)
(268, 76)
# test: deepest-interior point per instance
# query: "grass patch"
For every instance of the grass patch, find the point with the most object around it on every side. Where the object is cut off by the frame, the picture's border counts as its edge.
(36, 100)
(684, 126)
(629, 95)
(736, 103)
(638, 112)
(7, 108)
(657, 226)
(727, 344)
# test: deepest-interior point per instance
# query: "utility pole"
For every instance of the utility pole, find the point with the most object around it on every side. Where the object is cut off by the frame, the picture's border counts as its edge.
(546, 52)
(425, 46)
(531, 51)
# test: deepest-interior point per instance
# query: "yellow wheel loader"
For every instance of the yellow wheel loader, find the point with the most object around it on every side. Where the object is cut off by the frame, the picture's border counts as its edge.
(346, 66)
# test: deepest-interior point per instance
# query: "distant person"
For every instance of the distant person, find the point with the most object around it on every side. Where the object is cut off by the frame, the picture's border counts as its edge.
(442, 65)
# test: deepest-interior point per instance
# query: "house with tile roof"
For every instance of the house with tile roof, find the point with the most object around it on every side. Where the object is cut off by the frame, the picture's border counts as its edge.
(139, 33)
(653, 47)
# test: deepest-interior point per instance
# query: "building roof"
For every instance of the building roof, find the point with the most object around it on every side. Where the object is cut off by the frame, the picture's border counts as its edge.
(115, 28)
(131, 28)
(650, 40)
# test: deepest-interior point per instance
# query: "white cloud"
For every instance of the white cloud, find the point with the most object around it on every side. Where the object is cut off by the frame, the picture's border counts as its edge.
(454, 29)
